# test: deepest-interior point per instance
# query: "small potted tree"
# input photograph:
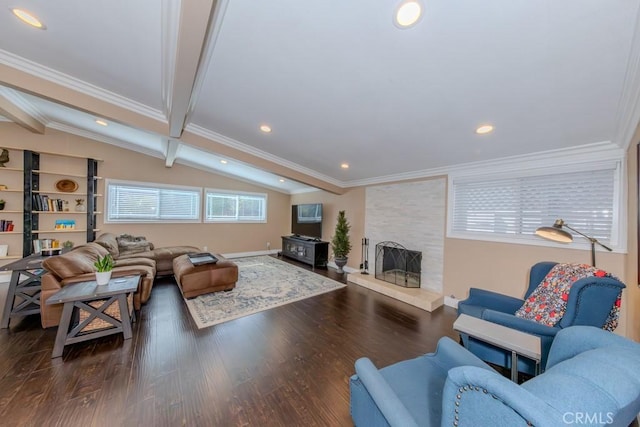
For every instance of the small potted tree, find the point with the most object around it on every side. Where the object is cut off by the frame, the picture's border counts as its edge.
(340, 243)
(103, 266)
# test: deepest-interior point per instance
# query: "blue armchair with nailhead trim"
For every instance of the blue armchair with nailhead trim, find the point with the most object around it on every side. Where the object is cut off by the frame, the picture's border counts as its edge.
(592, 377)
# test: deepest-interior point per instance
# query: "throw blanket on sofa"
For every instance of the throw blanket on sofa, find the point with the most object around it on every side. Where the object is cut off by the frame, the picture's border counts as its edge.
(548, 302)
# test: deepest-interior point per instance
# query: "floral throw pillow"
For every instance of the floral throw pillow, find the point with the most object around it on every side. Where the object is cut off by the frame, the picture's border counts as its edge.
(548, 302)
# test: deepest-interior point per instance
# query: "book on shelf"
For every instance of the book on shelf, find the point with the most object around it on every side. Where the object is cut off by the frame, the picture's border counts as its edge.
(6, 225)
(42, 202)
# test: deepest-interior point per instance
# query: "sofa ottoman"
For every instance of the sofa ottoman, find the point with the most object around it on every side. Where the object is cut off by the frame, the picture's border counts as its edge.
(194, 280)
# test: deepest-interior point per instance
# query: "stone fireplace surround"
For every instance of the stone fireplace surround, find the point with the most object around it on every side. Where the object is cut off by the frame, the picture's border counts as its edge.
(414, 214)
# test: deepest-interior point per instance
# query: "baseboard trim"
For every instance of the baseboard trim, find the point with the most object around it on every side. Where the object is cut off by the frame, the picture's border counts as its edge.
(451, 302)
(246, 254)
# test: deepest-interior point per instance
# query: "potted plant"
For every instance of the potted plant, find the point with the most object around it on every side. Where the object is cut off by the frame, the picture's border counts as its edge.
(103, 266)
(2, 204)
(340, 243)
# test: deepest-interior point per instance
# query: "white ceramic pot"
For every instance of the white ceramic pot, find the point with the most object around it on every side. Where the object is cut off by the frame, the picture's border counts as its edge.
(103, 277)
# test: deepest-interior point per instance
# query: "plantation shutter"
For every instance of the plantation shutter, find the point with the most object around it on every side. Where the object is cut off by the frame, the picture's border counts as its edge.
(517, 206)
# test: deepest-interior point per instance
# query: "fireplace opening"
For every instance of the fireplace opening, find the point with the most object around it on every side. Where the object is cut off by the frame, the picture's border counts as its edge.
(398, 265)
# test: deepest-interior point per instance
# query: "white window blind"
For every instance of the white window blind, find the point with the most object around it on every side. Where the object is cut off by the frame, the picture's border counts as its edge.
(515, 207)
(235, 207)
(148, 202)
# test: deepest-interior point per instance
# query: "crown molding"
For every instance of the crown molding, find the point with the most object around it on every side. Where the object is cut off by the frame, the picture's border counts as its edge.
(62, 79)
(105, 139)
(229, 175)
(599, 151)
(25, 105)
(628, 114)
(138, 149)
(229, 142)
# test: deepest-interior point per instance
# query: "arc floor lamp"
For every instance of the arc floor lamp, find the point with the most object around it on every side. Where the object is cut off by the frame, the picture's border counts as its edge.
(557, 234)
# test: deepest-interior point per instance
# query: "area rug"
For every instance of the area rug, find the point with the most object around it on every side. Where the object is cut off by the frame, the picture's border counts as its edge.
(264, 282)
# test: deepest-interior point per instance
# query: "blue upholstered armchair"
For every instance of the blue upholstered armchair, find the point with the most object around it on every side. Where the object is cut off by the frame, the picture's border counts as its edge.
(589, 303)
(592, 378)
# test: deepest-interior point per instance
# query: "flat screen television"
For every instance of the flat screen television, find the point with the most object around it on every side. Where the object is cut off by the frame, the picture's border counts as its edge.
(306, 220)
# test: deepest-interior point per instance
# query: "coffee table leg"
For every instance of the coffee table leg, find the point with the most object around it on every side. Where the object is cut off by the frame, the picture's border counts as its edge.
(63, 329)
(8, 304)
(124, 316)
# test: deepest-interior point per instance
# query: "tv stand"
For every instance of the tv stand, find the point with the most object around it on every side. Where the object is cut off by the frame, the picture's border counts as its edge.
(306, 249)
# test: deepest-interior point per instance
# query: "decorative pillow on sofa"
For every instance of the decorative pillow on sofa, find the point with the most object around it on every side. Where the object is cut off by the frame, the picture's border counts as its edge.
(109, 242)
(548, 302)
(128, 244)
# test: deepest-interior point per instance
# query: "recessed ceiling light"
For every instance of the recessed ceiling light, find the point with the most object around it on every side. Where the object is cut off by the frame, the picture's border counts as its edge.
(345, 166)
(408, 13)
(28, 18)
(281, 180)
(223, 161)
(484, 129)
(265, 128)
(102, 122)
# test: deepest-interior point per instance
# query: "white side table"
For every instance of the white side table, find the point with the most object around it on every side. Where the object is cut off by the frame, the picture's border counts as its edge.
(517, 342)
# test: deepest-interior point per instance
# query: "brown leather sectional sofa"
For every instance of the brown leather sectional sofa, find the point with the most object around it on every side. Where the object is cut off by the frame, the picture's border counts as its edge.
(77, 266)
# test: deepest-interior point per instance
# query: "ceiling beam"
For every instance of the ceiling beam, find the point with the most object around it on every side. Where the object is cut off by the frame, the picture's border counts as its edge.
(196, 140)
(186, 52)
(19, 115)
(172, 152)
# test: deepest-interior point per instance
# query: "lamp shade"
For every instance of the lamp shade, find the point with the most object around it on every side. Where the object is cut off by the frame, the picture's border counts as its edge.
(555, 233)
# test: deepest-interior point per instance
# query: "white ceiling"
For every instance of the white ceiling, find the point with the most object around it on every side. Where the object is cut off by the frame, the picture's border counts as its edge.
(336, 80)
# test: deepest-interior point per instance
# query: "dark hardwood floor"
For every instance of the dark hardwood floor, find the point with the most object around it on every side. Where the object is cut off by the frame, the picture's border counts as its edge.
(287, 366)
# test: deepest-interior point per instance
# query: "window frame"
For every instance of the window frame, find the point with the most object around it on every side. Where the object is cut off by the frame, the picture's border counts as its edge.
(618, 240)
(237, 194)
(155, 186)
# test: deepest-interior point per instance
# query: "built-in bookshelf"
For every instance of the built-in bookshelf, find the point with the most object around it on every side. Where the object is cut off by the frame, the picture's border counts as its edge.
(24, 188)
(49, 212)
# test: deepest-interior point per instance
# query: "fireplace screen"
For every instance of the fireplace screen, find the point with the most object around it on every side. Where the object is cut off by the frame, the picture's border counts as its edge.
(398, 265)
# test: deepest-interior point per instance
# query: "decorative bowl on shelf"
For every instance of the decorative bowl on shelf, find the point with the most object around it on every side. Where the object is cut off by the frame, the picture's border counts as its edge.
(67, 185)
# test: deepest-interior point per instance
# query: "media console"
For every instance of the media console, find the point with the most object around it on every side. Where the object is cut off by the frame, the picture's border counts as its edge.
(310, 251)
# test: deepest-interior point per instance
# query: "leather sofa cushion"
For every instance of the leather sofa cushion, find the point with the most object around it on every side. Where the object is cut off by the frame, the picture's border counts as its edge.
(134, 262)
(76, 262)
(109, 242)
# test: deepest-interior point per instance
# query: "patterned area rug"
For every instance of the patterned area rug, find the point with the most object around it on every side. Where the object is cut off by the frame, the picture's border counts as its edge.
(264, 282)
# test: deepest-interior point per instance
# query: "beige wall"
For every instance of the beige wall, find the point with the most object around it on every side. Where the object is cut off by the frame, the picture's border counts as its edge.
(128, 165)
(352, 202)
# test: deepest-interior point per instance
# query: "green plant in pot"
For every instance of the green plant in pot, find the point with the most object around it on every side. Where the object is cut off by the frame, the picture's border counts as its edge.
(2, 204)
(340, 243)
(104, 266)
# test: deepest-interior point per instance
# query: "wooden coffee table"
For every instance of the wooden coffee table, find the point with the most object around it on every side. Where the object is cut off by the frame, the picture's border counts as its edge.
(77, 296)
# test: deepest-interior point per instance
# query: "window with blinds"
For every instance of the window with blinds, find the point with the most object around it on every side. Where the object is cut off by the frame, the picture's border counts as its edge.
(512, 208)
(222, 206)
(148, 202)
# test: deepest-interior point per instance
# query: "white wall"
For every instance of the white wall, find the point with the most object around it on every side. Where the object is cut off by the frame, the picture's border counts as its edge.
(412, 214)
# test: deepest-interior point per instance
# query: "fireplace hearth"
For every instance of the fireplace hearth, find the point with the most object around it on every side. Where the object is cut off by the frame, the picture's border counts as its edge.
(398, 265)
